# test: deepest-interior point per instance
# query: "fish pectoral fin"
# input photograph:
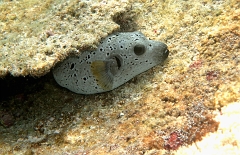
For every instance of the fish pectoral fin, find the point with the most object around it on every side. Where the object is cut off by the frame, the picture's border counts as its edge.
(100, 70)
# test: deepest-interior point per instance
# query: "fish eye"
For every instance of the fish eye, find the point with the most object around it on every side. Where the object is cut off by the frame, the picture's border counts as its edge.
(139, 49)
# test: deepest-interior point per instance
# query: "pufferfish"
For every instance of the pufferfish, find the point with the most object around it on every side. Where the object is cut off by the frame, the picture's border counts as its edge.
(118, 58)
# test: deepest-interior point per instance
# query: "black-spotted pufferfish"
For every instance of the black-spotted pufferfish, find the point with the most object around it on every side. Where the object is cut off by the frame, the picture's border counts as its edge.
(118, 58)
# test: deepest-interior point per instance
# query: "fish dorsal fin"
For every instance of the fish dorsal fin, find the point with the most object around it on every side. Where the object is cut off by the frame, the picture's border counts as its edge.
(101, 71)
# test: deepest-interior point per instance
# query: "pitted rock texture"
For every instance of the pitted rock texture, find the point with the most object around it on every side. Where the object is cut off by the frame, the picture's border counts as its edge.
(36, 35)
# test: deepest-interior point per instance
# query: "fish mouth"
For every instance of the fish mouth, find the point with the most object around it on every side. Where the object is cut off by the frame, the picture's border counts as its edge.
(165, 54)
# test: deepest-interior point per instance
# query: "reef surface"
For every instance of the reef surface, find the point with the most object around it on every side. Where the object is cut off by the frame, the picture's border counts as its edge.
(189, 105)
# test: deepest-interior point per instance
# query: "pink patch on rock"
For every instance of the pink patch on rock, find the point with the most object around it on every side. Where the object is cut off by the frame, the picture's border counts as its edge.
(211, 75)
(174, 142)
(197, 64)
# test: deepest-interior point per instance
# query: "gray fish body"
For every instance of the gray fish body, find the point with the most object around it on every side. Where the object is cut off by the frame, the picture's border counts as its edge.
(118, 58)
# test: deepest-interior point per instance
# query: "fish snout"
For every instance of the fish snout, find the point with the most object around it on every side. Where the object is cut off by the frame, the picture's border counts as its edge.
(164, 50)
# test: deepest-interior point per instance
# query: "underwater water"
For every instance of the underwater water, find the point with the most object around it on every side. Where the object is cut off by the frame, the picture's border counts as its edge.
(174, 108)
